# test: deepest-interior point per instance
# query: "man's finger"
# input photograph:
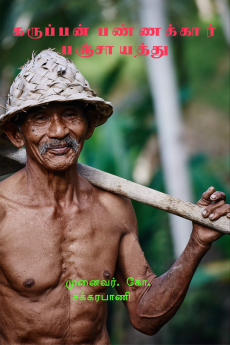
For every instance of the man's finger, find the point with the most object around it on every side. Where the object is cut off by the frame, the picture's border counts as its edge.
(205, 200)
(218, 196)
(220, 211)
(209, 209)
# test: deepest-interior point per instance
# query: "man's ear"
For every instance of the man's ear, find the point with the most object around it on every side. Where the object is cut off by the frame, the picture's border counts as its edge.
(92, 116)
(13, 133)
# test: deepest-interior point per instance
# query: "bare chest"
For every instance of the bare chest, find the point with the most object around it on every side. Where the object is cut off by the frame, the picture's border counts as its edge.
(41, 249)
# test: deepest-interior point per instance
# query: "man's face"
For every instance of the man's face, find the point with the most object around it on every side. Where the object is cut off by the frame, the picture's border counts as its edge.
(54, 135)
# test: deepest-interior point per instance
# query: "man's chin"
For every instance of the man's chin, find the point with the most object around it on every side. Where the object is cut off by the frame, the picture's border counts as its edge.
(59, 162)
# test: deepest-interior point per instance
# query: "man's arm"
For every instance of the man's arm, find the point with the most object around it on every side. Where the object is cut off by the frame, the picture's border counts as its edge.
(151, 306)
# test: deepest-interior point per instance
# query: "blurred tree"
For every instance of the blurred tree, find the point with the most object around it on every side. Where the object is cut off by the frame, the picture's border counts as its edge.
(164, 86)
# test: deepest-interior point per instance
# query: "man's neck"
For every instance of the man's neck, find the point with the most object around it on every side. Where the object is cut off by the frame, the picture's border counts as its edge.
(53, 187)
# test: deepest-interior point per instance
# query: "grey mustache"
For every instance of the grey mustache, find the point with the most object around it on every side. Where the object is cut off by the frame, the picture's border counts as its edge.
(43, 148)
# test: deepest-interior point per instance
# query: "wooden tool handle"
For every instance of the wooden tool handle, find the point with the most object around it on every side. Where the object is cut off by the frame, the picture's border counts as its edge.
(133, 191)
(151, 197)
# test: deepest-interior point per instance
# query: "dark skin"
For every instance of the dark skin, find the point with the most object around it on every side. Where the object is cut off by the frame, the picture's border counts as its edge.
(55, 226)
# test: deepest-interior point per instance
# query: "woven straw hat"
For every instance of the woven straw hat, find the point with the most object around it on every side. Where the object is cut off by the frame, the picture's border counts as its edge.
(51, 77)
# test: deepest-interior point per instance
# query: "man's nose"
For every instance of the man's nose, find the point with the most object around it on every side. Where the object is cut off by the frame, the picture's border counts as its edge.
(57, 127)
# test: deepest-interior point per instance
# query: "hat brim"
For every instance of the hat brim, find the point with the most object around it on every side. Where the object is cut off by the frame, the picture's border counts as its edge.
(104, 108)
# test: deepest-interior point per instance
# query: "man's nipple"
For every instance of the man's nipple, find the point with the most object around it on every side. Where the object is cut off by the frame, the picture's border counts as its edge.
(106, 274)
(28, 283)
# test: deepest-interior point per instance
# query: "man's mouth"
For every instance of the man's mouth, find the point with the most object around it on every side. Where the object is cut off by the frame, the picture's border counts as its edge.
(59, 147)
(59, 150)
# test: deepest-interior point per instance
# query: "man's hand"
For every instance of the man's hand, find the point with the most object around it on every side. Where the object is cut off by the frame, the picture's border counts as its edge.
(215, 207)
(152, 305)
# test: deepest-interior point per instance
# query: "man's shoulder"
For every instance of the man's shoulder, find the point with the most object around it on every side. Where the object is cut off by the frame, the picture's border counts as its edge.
(116, 202)
(9, 188)
(3, 197)
(117, 206)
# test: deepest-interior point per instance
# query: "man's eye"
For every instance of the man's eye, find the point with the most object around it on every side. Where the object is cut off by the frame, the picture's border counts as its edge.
(40, 118)
(69, 115)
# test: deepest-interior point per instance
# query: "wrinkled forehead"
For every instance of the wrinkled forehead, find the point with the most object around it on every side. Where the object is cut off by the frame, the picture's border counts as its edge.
(79, 107)
(22, 117)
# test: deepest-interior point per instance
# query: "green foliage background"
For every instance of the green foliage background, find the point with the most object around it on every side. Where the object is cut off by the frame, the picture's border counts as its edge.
(114, 147)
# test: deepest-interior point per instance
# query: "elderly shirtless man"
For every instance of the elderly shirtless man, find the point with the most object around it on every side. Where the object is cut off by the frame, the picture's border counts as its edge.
(55, 226)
